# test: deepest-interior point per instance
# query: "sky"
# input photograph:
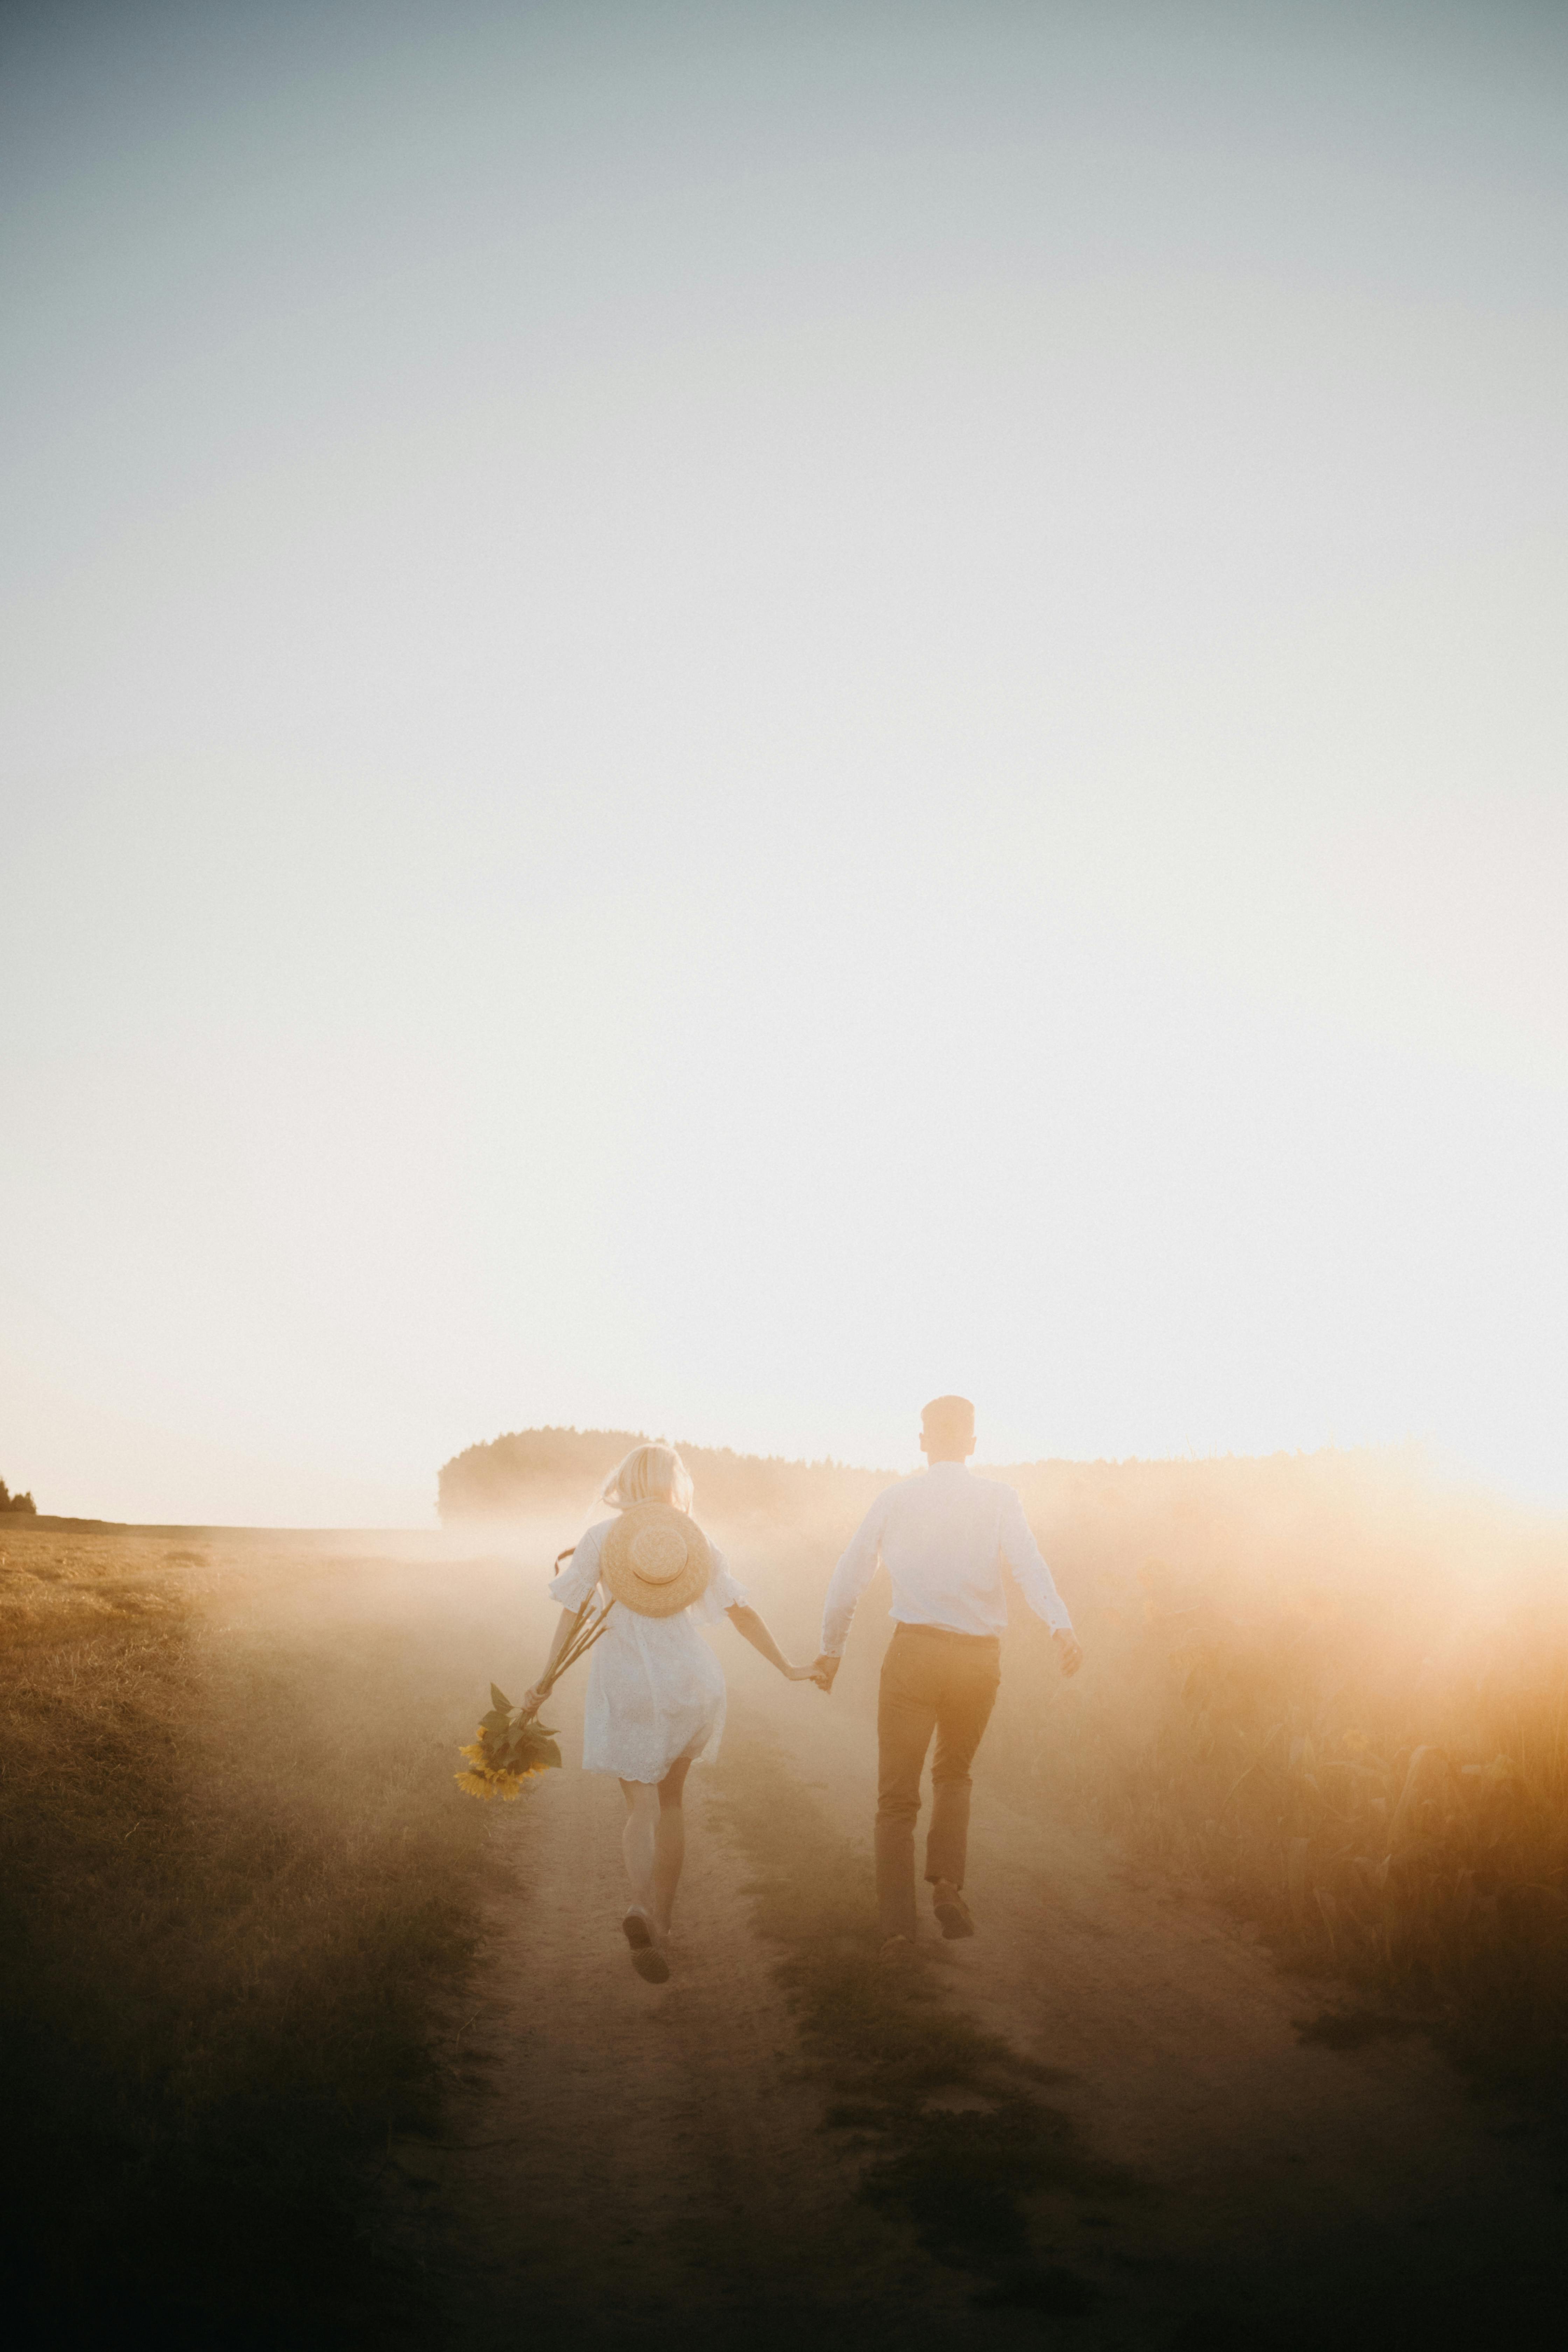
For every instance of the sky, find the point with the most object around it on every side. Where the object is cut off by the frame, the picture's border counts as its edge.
(715, 717)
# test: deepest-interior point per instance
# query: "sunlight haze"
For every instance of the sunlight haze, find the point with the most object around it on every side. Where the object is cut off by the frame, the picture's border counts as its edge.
(717, 716)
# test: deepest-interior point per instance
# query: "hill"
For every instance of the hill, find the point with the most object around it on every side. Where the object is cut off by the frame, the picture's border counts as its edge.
(1283, 1518)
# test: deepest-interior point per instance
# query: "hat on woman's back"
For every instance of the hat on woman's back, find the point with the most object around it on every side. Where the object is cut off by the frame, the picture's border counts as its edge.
(655, 1560)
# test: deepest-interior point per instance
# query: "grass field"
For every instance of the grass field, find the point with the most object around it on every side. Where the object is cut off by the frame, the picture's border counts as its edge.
(1354, 1733)
(241, 1898)
(237, 1892)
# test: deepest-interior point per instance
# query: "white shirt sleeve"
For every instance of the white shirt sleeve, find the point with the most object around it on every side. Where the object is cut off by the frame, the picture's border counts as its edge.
(850, 1577)
(1035, 1580)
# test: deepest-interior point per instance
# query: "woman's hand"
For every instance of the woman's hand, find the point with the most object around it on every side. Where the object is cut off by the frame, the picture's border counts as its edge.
(751, 1628)
(531, 1702)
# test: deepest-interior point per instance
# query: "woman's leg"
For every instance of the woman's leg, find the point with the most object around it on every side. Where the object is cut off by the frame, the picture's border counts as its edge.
(669, 1841)
(639, 1841)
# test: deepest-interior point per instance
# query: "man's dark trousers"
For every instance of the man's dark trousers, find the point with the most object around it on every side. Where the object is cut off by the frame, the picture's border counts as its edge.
(932, 1680)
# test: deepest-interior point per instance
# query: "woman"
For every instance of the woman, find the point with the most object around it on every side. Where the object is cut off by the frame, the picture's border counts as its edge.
(656, 1691)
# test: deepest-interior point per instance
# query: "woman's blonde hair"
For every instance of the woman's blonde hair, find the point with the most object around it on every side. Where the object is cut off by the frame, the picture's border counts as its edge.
(650, 1473)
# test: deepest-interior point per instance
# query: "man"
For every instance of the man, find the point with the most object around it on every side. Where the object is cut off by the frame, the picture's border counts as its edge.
(942, 1537)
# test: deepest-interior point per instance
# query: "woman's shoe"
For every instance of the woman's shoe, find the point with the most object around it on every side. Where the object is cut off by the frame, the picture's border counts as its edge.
(646, 1958)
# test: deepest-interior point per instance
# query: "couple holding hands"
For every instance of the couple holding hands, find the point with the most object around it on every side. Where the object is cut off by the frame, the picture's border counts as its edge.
(655, 1691)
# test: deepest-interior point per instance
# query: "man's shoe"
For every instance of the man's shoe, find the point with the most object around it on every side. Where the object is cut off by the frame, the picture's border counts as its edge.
(895, 1949)
(952, 1911)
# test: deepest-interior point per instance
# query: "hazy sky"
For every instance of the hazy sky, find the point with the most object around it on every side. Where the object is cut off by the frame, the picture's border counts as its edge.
(716, 715)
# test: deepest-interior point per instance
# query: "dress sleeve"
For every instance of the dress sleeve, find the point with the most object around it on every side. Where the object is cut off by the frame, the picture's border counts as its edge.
(723, 1592)
(581, 1573)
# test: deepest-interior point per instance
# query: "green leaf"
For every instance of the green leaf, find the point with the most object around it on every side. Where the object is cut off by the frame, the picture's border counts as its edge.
(499, 1698)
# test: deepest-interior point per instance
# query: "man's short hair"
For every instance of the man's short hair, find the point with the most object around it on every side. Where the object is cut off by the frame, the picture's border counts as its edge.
(950, 1419)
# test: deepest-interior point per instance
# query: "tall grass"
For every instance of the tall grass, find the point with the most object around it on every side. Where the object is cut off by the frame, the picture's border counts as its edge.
(234, 1887)
(1367, 1757)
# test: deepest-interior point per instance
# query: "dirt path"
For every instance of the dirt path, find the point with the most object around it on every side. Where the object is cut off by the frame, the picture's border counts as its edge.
(627, 2164)
(649, 2166)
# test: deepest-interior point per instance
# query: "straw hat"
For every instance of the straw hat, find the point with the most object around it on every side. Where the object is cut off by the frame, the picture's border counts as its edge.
(655, 1560)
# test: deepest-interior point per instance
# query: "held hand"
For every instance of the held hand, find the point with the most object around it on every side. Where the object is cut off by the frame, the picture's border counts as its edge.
(1069, 1656)
(823, 1671)
(800, 1673)
(532, 1701)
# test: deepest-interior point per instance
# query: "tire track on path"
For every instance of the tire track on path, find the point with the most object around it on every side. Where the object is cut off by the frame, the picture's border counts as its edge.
(641, 2166)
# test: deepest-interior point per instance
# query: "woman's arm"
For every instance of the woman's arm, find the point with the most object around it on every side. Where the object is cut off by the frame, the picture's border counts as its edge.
(532, 1701)
(751, 1628)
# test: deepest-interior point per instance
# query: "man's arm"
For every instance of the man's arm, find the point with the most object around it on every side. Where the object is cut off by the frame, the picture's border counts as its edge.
(850, 1577)
(1035, 1582)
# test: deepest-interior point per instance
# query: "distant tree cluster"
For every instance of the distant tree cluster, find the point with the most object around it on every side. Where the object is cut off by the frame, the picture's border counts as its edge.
(9, 1502)
(554, 1471)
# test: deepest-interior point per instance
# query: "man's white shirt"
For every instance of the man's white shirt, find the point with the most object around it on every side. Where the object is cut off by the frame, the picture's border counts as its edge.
(943, 1537)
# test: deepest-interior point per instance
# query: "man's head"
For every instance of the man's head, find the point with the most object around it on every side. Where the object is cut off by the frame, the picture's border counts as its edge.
(947, 1429)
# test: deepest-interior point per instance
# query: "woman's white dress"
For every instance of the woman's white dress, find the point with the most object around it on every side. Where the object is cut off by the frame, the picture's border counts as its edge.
(656, 1691)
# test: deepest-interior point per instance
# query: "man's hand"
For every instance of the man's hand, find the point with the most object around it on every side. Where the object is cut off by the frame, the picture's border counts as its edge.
(1069, 1656)
(823, 1671)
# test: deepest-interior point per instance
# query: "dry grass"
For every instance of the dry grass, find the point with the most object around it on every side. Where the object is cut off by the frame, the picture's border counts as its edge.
(1368, 1757)
(239, 1884)
(236, 1884)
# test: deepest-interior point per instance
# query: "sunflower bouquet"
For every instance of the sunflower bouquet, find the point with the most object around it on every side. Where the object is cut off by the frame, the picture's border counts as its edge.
(512, 1748)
